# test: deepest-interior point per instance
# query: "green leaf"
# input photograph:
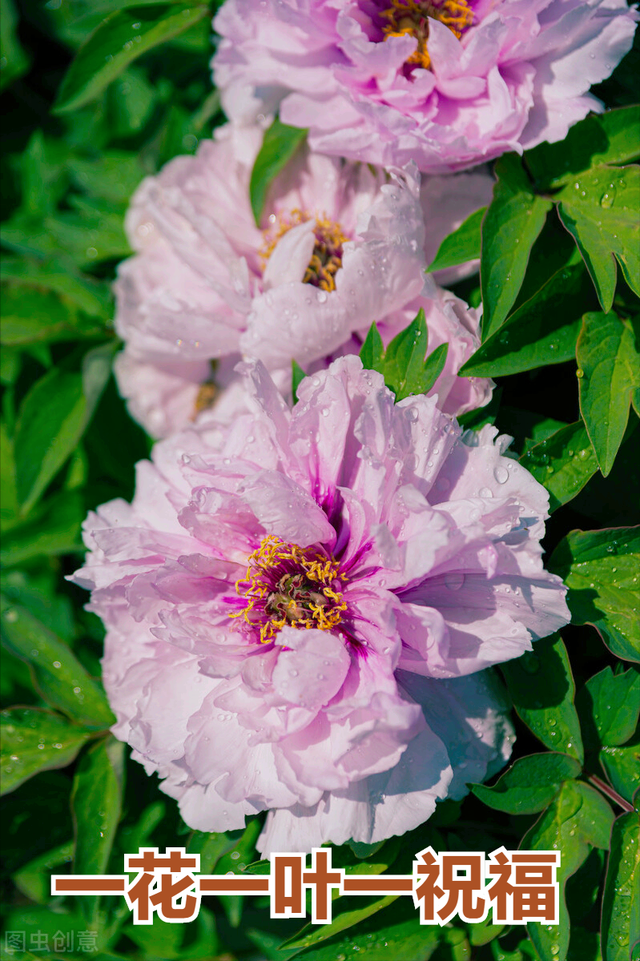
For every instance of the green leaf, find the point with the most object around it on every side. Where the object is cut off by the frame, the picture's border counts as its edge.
(583, 902)
(40, 178)
(542, 689)
(462, 245)
(611, 500)
(160, 939)
(34, 879)
(530, 784)
(212, 847)
(52, 419)
(612, 702)
(543, 331)
(536, 425)
(382, 937)
(297, 376)
(8, 495)
(484, 931)
(119, 40)
(61, 679)
(195, 939)
(621, 898)
(576, 820)
(372, 350)
(432, 368)
(96, 805)
(476, 419)
(35, 740)
(608, 370)
(44, 922)
(88, 295)
(403, 364)
(137, 835)
(244, 850)
(90, 233)
(606, 138)
(235, 861)
(600, 568)
(41, 316)
(562, 462)
(37, 594)
(113, 176)
(404, 358)
(13, 59)
(10, 363)
(511, 225)
(622, 767)
(278, 147)
(600, 211)
(553, 250)
(130, 101)
(53, 528)
(356, 859)
(96, 802)
(343, 921)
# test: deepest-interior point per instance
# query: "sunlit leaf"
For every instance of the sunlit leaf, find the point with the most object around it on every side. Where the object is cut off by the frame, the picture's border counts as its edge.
(601, 569)
(35, 740)
(604, 138)
(62, 680)
(278, 147)
(562, 462)
(511, 225)
(53, 417)
(543, 331)
(621, 898)
(462, 245)
(576, 820)
(120, 39)
(542, 688)
(530, 784)
(608, 370)
(610, 704)
(600, 210)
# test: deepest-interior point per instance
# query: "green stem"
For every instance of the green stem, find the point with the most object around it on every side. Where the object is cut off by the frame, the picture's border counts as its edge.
(609, 792)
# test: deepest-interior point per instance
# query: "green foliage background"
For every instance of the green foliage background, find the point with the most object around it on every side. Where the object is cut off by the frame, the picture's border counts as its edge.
(90, 108)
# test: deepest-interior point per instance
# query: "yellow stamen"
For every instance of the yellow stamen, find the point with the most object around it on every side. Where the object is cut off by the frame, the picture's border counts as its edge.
(326, 259)
(207, 394)
(410, 18)
(297, 598)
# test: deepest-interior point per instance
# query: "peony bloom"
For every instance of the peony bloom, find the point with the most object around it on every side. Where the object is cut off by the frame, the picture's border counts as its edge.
(445, 83)
(297, 606)
(342, 245)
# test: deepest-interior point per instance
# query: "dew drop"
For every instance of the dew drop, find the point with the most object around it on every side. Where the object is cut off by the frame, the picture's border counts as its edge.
(454, 580)
(608, 198)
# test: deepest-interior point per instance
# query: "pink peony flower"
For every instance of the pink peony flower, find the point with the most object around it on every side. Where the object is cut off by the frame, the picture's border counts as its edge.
(341, 247)
(297, 606)
(446, 83)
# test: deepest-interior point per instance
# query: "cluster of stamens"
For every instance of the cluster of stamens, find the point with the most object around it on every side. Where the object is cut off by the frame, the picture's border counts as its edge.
(207, 392)
(326, 259)
(410, 18)
(290, 585)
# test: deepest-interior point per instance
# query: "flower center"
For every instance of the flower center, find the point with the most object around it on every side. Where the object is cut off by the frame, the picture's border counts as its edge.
(326, 259)
(290, 585)
(207, 392)
(410, 18)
